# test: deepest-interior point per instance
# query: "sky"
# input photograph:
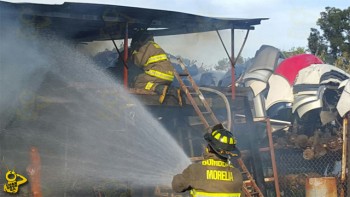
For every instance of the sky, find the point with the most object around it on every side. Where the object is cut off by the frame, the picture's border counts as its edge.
(288, 25)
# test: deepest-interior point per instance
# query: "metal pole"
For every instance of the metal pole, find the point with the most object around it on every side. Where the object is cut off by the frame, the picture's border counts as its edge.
(348, 162)
(232, 58)
(126, 50)
(273, 158)
(222, 42)
(344, 155)
(190, 143)
(255, 154)
(115, 45)
(34, 171)
(65, 160)
(233, 86)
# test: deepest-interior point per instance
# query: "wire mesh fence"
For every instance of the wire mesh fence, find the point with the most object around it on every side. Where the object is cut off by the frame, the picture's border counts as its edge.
(294, 171)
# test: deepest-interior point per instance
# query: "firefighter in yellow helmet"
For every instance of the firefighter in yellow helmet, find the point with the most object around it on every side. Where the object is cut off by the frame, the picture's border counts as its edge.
(158, 70)
(215, 175)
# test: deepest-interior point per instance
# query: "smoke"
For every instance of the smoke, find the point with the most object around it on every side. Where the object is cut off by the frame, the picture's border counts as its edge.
(95, 47)
(88, 130)
(21, 70)
(206, 47)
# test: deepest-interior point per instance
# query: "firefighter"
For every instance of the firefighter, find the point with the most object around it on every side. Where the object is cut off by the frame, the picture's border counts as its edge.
(158, 71)
(215, 175)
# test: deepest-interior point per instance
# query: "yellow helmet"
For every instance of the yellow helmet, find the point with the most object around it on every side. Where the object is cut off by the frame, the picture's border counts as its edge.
(221, 141)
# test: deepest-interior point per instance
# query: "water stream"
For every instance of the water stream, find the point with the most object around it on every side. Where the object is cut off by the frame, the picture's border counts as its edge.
(89, 131)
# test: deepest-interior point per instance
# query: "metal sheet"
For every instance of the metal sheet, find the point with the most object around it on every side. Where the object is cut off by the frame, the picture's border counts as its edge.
(291, 66)
(279, 91)
(266, 58)
(343, 105)
(86, 22)
(314, 74)
(256, 86)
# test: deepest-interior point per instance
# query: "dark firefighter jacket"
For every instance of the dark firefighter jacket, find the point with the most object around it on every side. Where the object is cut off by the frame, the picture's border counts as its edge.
(153, 60)
(210, 177)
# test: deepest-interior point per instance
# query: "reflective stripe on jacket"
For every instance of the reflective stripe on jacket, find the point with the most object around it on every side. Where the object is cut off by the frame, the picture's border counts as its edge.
(160, 75)
(195, 193)
(210, 177)
(156, 58)
(154, 61)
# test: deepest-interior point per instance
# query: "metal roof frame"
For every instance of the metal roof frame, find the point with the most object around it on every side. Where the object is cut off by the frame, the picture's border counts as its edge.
(85, 22)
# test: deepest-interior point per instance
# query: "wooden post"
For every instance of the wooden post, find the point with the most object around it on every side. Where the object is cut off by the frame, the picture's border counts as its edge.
(254, 149)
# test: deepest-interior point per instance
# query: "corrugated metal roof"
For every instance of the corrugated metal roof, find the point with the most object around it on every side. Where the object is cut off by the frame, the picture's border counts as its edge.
(89, 22)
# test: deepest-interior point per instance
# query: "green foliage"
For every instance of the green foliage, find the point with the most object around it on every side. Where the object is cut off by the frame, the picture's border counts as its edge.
(343, 62)
(335, 24)
(225, 64)
(295, 51)
(333, 45)
(204, 68)
(316, 42)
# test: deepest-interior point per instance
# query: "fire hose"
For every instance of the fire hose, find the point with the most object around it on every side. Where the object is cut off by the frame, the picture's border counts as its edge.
(227, 104)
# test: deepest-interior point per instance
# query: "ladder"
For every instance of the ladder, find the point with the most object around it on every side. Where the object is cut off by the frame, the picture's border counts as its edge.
(249, 186)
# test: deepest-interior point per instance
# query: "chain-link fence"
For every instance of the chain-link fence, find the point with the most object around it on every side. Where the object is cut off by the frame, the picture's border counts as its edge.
(294, 170)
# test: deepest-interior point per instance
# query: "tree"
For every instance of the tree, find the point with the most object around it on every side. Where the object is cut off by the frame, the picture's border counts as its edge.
(343, 62)
(295, 51)
(335, 24)
(316, 42)
(335, 39)
(225, 64)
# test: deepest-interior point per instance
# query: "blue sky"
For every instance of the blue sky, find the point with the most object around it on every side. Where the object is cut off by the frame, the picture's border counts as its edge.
(288, 25)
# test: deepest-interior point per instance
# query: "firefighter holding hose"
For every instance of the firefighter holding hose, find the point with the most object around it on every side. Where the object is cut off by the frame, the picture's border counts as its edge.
(215, 175)
(158, 70)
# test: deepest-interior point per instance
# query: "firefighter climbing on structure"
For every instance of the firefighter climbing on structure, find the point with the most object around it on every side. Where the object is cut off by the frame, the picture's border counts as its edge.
(215, 175)
(158, 70)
